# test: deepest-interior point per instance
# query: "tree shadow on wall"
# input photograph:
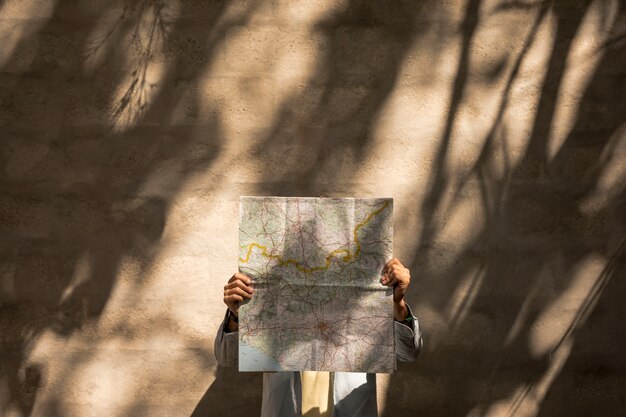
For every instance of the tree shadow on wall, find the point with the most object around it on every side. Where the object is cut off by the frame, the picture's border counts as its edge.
(231, 394)
(525, 259)
(81, 195)
(323, 132)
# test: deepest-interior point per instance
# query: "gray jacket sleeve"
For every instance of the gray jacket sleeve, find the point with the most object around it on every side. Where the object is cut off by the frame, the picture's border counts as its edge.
(226, 346)
(408, 339)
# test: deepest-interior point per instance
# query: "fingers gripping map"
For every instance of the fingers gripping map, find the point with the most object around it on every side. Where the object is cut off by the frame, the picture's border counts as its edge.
(318, 303)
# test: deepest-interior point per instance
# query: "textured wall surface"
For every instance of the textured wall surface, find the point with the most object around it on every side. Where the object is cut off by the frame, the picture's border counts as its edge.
(129, 129)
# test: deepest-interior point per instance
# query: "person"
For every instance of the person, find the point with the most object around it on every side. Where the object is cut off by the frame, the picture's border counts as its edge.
(349, 393)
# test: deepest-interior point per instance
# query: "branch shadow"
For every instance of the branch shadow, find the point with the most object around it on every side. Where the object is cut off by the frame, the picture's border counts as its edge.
(225, 396)
(73, 206)
(534, 235)
(322, 133)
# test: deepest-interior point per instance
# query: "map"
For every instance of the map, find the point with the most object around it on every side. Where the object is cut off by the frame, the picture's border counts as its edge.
(318, 303)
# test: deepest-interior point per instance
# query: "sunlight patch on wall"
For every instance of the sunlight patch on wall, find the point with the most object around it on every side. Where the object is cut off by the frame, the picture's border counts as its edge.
(472, 123)
(464, 220)
(123, 294)
(463, 297)
(612, 179)
(118, 374)
(413, 113)
(540, 290)
(527, 88)
(246, 106)
(306, 11)
(118, 363)
(102, 387)
(394, 166)
(19, 20)
(296, 63)
(260, 69)
(407, 117)
(82, 274)
(431, 61)
(133, 97)
(201, 229)
(526, 399)
(585, 54)
(557, 320)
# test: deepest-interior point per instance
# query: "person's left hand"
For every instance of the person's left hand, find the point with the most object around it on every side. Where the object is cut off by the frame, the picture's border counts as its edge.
(398, 277)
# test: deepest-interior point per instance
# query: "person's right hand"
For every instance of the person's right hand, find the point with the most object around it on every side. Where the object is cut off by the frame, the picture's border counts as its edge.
(238, 290)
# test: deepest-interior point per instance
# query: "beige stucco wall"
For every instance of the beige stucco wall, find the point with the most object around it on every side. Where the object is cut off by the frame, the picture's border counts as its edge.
(129, 129)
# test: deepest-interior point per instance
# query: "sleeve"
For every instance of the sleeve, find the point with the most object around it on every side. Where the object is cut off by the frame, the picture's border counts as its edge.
(226, 346)
(408, 339)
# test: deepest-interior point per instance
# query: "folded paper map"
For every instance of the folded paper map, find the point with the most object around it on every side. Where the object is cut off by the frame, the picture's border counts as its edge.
(318, 303)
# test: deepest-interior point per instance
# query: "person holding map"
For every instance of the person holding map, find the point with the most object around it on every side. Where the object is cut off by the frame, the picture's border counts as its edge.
(311, 393)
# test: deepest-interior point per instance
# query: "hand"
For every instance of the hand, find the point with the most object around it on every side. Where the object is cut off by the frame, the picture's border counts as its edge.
(237, 291)
(398, 277)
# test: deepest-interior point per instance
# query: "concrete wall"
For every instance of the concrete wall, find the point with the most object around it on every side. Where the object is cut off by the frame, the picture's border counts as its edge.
(128, 130)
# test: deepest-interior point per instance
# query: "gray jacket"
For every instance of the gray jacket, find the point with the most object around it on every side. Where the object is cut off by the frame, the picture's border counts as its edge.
(354, 393)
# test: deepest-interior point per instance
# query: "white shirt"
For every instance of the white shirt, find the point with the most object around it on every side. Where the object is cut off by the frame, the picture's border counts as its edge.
(354, 393)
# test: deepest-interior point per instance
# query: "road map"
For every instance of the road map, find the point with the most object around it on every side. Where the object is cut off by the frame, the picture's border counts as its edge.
(318, 303)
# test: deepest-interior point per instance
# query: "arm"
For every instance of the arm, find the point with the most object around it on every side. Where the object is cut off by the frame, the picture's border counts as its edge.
(408, 336)
(407, 330)
(226, 346)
